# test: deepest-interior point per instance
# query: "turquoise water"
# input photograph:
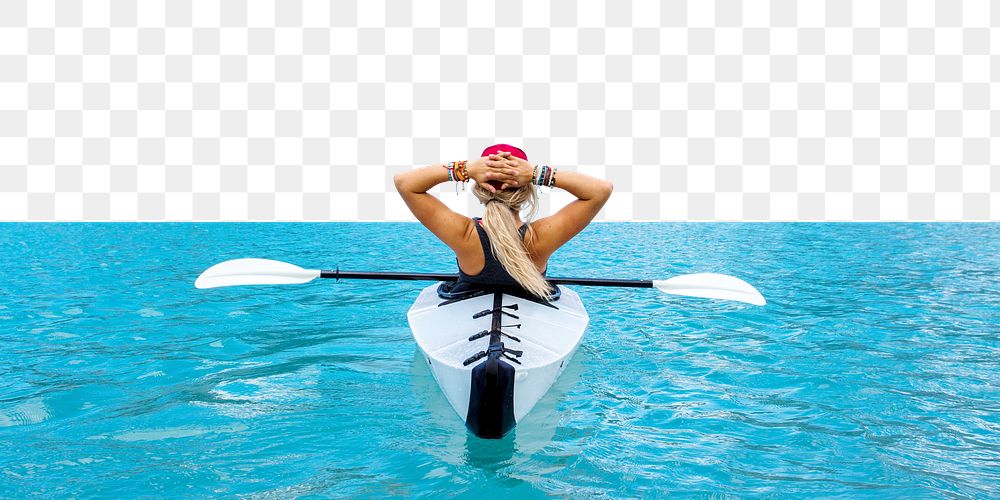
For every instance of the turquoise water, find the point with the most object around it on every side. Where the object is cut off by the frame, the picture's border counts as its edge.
(874, 370)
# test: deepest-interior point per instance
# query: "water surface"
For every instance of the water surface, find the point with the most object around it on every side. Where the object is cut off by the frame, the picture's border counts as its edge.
(874, 369)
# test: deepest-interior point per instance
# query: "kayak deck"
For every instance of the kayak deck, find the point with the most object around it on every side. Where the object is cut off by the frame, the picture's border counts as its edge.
(518, 347)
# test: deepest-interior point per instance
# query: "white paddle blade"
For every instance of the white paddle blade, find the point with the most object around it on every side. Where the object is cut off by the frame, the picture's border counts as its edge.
(711, 286)
(254, 272)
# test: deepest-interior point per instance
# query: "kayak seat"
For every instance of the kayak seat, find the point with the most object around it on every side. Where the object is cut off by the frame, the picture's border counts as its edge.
(454, 291)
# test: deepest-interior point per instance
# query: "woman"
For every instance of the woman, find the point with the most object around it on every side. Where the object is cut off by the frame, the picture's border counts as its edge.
(499, 249)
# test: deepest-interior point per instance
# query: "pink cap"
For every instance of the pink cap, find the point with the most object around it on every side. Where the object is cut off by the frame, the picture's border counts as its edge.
(516, 151)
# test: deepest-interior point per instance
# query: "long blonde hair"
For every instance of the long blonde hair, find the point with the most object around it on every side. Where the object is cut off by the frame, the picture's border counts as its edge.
(505, 237)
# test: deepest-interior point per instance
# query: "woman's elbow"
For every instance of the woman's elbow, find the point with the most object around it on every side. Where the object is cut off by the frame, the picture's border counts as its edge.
(607, 189)
(398, 180)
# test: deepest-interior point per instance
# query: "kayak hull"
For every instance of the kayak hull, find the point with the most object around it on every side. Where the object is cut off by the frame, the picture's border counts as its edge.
(522, 345)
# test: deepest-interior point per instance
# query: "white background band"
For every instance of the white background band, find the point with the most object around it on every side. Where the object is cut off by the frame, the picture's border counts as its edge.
(303, 110)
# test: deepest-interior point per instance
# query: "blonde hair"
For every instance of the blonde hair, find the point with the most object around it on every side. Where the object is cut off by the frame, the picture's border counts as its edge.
(505, 237)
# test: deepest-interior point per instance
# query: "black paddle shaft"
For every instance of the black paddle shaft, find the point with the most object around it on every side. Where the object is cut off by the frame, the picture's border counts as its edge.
(362, 275)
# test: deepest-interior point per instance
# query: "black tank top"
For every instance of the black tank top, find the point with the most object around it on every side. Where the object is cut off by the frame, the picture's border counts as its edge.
(493, 272)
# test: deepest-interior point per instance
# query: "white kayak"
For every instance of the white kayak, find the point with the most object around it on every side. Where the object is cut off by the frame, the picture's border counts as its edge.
(494, 354)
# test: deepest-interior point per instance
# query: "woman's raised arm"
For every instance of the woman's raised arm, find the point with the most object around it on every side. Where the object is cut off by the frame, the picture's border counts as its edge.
(555, 230)
(449, 226)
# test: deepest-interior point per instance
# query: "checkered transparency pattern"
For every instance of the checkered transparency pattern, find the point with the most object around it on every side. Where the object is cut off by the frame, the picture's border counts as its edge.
(293, 110)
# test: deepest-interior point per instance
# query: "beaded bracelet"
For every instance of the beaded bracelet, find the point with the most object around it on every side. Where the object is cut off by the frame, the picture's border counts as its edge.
(546, 176)
(457, 173)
